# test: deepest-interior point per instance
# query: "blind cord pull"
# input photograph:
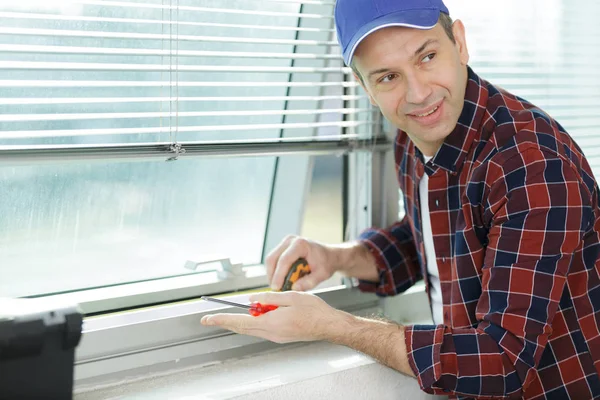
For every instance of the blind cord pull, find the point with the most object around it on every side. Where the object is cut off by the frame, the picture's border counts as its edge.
(177, 149)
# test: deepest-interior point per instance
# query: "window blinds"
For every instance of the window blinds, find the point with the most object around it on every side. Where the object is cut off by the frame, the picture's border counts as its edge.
(124, 72)
(93, 72)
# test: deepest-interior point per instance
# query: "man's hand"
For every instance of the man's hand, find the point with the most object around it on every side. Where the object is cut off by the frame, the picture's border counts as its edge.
(353, 259)
(301, 317)
(319, 258)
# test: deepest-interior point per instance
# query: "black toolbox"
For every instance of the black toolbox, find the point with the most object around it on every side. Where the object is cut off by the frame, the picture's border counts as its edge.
(37, 349)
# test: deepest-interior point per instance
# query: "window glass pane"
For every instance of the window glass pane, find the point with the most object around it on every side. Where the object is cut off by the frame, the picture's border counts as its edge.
(72, 226)
(323, 215)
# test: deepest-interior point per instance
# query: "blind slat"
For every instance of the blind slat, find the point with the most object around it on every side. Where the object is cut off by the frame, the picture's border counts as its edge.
(9, 48)
(181, 129)
(222, 11)
(166, 84)
(158, 36)
(69, 66)
(110, 100)
(167, 23)
(183, 114)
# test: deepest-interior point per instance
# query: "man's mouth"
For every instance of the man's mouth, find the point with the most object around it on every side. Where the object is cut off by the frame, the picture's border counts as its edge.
(427, 113)
(428, 116)
(424, 112)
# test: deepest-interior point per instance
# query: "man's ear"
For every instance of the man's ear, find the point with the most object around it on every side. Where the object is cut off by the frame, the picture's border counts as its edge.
(364, 88)
(458, 29)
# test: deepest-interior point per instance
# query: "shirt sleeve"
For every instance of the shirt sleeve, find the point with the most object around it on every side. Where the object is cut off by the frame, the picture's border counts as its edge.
(396, 257)
(538, 209)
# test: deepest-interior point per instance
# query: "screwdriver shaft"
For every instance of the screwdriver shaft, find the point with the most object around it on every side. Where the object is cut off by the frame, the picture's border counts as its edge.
(229, 303)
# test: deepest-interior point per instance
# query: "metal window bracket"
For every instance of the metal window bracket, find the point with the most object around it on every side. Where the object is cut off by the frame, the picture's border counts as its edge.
(227, 271)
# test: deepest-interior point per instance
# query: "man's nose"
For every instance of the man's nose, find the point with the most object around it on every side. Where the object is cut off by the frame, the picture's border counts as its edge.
(417, 90)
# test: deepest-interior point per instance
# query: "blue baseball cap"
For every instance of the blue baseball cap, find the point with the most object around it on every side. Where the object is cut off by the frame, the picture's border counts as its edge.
(356, 19)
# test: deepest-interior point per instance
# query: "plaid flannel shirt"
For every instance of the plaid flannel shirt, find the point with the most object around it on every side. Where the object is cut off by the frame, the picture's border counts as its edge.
(515, 221)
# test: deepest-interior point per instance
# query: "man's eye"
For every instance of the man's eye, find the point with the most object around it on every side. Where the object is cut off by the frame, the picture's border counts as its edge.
(428, 58)
(387, 78)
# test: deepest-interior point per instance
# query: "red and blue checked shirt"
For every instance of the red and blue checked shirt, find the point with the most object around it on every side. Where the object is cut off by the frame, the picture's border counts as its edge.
(515, 223)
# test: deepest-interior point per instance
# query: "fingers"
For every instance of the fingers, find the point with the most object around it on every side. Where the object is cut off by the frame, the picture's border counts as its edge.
(284, 299)
(307, 282)
(273, 257)
(234, 322)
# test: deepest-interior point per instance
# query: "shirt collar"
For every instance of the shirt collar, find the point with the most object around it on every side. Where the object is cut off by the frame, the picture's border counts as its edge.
(457, 144)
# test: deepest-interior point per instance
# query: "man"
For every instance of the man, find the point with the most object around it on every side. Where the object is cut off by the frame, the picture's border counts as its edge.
(502, 224)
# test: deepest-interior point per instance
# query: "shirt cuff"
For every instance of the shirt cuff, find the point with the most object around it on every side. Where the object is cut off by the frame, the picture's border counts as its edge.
(370, 286)
(423, 346)
(394, 261)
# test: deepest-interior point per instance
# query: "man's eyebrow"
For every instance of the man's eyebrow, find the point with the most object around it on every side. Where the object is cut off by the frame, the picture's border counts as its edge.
(424, 46)
(419, 50)
(377, 72)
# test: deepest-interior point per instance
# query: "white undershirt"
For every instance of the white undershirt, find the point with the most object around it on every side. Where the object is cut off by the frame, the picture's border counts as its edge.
(435, 290)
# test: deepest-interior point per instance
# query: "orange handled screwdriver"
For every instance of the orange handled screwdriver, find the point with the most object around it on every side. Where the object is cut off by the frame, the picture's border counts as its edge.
(255, 309)
(298, 269)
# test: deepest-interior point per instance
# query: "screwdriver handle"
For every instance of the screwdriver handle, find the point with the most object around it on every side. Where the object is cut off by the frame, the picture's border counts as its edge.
(298, 269)
(257, 309)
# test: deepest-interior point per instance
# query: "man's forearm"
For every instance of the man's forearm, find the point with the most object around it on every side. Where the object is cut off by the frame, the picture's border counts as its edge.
(382, 340)
(355, 260)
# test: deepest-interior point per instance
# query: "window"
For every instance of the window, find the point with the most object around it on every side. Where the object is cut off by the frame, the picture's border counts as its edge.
(141, 138)
(163, 143)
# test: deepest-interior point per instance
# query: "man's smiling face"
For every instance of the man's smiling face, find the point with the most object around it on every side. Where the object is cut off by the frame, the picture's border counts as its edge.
(417, 78)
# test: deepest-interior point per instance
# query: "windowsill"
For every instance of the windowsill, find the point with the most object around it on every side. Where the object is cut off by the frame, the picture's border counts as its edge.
(313, 370)
(275, 371)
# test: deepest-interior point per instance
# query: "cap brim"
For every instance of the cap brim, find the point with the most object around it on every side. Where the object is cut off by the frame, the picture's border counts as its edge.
(418, 19)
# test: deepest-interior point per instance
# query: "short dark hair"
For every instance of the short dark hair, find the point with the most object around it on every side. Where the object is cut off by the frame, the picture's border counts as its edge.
(445, 21)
